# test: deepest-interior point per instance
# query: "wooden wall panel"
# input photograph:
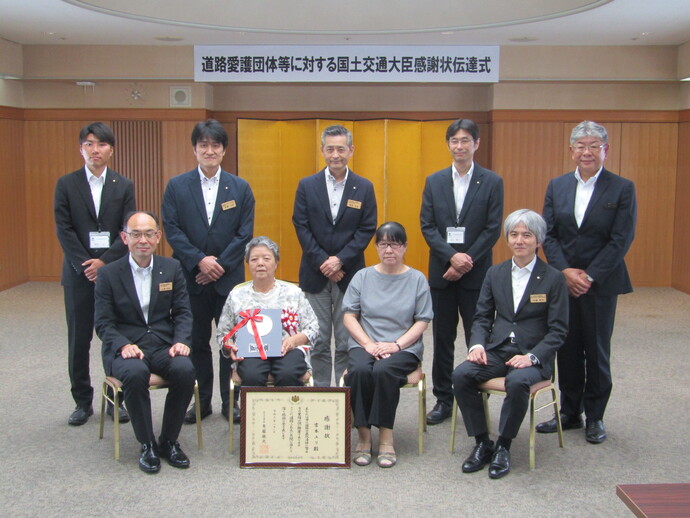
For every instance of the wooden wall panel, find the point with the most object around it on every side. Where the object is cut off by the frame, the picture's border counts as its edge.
(58, 142)
(526, 155)
(13, 208)
(681, 232)
(649, 158)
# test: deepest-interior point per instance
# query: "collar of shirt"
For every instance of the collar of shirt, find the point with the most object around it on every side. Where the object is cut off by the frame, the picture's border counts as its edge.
(90, 175)
(136, 268)
(589, 182)
(331, 179)
(529, 268)
(457, 176)
(215, 178)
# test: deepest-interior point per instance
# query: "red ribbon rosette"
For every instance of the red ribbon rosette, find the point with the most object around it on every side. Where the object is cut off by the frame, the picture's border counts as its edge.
(252, 316)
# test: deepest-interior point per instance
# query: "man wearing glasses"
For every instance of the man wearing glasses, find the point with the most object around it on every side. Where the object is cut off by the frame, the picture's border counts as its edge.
(591, 215)
(462, 210)
(334, 218)
(90, 205)
(145, 321)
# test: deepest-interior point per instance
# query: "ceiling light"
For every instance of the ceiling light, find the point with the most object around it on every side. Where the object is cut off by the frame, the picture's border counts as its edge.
(522, 39)
(168, 39)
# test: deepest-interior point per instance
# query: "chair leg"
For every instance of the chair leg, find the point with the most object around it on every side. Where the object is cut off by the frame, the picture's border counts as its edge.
(485, 402)
(104, 391)
(231, 434)
(453, 422)
(421, 392)
(532, 434)
(116, 421)
(424, 403)
(559, 427)
(197, 406)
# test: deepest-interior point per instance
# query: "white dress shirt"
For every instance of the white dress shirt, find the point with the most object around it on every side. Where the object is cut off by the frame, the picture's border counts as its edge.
(209, 187)
(461, 183)
(96, 184)
(142, 283)
(583, 194)
(335, 191)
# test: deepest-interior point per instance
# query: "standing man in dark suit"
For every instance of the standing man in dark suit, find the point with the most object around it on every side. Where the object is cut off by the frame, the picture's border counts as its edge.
(144, 320)
(335, 218)
(90, 205)
(520, 322)
(462, 209)
(591, 215)
(208, 217)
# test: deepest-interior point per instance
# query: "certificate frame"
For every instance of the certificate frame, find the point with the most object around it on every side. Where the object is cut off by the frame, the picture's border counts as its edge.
(295, 427)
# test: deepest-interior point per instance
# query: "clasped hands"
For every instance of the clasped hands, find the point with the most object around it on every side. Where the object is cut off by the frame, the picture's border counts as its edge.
(333, 269)
(478, 355)
(133, 351)
(381, 350)
(209, 270)
(577, 281)
(460, 264)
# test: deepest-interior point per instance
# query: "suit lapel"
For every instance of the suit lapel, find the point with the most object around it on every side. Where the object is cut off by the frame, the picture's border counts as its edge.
(348, 193)
(449, 192)
(194, 185)
(156, 277)
(533, 283)
(85, 191)
(475, 184)
(506, 285)
(127, 278)
(224, 194)
(599, 189)
(322, 194)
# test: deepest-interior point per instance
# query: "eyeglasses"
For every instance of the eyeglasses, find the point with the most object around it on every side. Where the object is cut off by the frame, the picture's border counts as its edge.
(594, 148)
(461, 141)
(382, 245)
(136, 234)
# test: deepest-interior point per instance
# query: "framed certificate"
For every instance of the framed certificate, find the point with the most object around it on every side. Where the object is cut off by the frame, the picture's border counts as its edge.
(295, 427)
(270, 331)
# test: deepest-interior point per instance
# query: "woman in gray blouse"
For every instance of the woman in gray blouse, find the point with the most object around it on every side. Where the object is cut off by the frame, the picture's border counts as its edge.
(387, 308)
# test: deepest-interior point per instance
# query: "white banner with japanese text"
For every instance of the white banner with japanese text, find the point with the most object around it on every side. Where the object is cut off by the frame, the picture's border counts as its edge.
(351, 63)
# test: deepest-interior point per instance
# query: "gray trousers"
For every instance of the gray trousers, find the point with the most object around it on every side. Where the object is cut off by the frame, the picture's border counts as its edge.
(328, 306)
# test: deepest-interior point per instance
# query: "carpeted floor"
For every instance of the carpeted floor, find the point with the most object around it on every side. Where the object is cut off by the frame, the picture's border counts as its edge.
(48, 468)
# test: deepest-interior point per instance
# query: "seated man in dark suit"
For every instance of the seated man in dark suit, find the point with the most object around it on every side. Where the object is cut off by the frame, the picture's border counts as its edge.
(520, 322)
(145, 322)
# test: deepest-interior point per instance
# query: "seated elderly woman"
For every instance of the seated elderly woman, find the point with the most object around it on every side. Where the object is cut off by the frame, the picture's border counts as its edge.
(264, 291)
(387, 308)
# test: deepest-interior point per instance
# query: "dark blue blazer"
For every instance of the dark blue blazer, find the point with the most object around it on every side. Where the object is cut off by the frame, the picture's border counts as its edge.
(320, 238)
(481, 215)
(118, 317)
(540, 323)
(599, 245)
(192, 238)
(75, 217)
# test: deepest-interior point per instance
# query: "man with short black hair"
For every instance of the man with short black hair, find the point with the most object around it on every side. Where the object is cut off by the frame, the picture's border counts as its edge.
(208, 217)
(462, 209)
(90, 205)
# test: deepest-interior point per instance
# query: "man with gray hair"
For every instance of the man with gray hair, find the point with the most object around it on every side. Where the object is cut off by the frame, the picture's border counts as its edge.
(334, 218)
(590, 215)
(520, 322)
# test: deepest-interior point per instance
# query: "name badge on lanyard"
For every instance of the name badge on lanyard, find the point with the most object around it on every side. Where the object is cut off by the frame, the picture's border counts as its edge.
(455, 235)
(99, 240)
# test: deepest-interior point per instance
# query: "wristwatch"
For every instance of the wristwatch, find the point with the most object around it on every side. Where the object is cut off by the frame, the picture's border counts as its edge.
(533, 359)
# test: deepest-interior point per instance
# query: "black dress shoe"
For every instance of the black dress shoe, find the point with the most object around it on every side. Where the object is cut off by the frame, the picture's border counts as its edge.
(439, 413)
(80, 415)
(235, 412)
(190, 416)
(595, 433)
(567, 422)
(479, 457)
(123, 415)
(149, 461)
(500, 463)
(174, 454)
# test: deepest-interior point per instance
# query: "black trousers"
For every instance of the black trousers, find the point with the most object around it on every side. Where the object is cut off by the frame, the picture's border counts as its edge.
(286, 370)
(134, 374)
(79, 310)
(584, 360)
(207, 307)
(468, 376)
(375, 385)
(449, 304)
